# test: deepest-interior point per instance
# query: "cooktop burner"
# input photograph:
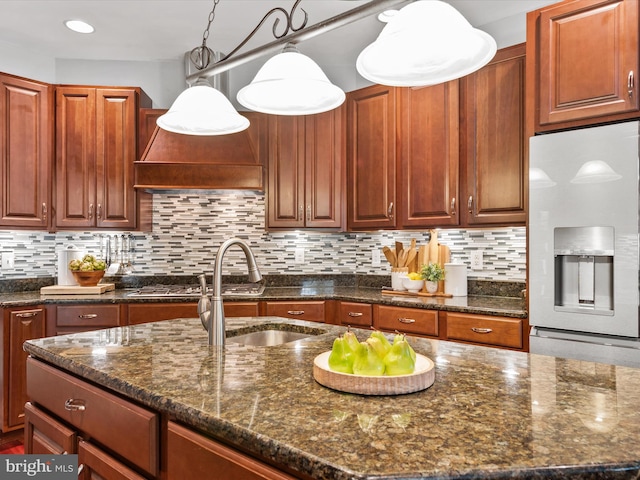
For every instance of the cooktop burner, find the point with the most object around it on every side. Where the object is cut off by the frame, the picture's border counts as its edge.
(240, 289)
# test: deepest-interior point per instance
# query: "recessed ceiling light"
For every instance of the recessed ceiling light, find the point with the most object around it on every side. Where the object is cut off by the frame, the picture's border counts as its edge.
(79, 26)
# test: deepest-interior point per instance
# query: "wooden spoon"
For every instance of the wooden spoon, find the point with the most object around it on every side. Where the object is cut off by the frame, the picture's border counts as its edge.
(390, 256)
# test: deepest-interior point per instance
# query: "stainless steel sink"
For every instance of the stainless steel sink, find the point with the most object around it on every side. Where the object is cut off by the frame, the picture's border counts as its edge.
(269, 338)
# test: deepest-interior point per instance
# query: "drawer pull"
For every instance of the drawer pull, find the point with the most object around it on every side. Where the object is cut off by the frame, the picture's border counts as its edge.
(295, 312)
(355, 314)
(87, 316)
(26, 314)
(407, 320)
(74, 405)
(481, 330)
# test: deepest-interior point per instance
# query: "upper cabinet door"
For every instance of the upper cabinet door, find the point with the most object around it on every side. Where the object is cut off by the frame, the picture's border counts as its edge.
(325, 169)
(494, 150)
(285, 194)
(371, 158)
(428, 150)
(26, 160)
(115, 153)
(587, 63)
(75, 157)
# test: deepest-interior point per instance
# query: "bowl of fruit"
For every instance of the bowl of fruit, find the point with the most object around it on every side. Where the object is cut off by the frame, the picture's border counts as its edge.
(375, 366)
(87, 271)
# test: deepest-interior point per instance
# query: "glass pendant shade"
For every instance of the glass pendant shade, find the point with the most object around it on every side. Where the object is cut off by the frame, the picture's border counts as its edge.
(202, 110)
(595, 171)
(290, 83)
(427, 42)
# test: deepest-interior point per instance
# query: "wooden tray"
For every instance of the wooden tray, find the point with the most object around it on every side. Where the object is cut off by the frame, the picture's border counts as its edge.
(422, 378)
(417, 294)
(76, 289)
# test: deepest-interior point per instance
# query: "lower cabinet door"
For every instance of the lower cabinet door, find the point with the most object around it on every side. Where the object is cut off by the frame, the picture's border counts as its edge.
(44, 435)
(191, 455)
(94, 464)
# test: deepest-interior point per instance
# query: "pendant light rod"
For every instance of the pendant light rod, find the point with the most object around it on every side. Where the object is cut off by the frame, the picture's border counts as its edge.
(358, 13)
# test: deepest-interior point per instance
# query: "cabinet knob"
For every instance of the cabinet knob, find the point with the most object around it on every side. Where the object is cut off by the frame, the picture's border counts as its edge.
(44, 212)
(99, 212)
(26, 314)
(300, 212)
(630, 84)
(87, 316)
(390, 211)
(90, 211)
(470, 204)
(74, 405)
(355, 314)
(407, 320)
(453, 206)
(481, 330)
(308, 213)
(295, 312)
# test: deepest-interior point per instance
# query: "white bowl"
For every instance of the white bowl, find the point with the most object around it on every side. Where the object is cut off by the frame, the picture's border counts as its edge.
(414, 286)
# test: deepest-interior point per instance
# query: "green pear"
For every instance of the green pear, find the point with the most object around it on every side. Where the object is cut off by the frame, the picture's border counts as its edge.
(352, 340)
(341, 356)
(386, 346)
(367, 361)
(399, 361)
(377, 346)
(401, 336)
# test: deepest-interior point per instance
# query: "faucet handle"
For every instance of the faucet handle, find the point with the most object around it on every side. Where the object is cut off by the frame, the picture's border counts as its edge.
(203, 283)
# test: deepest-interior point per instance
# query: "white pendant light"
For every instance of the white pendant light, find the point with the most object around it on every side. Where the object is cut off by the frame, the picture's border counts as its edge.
(290, 83)
(426, 43)
(202, 110)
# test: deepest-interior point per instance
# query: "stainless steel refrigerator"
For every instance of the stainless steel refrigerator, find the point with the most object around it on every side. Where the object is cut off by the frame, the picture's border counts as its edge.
(583, 244)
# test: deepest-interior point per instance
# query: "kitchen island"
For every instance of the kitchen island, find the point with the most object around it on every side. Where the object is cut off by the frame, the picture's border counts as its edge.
(491, 413)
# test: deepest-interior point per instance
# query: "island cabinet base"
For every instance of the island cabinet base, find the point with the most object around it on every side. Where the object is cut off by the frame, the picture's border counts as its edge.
(191, 455)
(115, 438)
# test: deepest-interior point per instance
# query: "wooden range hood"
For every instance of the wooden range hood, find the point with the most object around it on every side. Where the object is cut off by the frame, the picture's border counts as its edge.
(173, 161)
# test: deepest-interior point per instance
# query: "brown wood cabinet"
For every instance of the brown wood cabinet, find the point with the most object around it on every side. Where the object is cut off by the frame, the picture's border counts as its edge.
(582, 58)
(371, 158)
(428, 152)
(154, 312)
(18, 326)
(355, 314)
(312, 310)
(485, 329)
(96, 145)
(26, 162)
(493, 147)
(64, 319)
(306, 171)
(413, 321)
(86, 409)
(192, 455)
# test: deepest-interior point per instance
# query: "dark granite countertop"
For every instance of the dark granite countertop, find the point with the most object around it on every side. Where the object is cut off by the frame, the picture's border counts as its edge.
(491, 413)
(482, 304)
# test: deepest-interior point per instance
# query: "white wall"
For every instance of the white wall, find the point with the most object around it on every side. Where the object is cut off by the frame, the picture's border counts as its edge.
(26, 63)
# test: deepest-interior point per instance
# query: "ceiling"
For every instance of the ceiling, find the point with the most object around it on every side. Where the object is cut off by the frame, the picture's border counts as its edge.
(156, 30)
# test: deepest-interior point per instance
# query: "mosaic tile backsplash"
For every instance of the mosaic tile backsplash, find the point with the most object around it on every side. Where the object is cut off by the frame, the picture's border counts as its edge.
(188, 228)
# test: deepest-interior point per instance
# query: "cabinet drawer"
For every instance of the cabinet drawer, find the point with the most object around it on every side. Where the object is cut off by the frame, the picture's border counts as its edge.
(498, 331)
(100, 316)
(154, 312)
(241, 309)
(312, 311)
(121, 426)
(407, 320)
(358, 314)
